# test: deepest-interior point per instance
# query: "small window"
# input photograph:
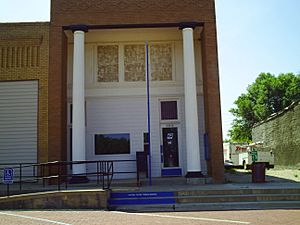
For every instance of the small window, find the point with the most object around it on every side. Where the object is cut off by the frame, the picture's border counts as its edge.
(168, 110)
(108, 144)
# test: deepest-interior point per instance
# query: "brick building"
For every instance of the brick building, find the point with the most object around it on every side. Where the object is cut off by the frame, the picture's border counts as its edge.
(76, 88)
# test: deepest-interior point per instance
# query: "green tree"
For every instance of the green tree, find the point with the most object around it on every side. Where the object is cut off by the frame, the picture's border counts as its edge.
(267, 95)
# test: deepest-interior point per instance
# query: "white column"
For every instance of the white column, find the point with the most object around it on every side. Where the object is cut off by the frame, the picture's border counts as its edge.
(78, 123)
(190, 96)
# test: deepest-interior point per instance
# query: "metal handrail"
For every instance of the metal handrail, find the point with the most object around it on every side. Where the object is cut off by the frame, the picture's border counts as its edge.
(57, 171)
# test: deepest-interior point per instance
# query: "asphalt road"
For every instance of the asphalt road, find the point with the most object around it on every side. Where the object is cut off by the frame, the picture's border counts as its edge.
(257, 217)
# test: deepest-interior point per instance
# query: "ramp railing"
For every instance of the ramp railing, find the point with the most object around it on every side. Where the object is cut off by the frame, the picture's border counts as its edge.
(57, 173)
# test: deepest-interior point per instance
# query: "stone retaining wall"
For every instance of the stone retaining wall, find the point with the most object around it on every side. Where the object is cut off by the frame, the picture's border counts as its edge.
(281, 133)
(79, 199)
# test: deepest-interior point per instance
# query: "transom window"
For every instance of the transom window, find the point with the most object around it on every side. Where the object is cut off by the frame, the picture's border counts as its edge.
(168, 110)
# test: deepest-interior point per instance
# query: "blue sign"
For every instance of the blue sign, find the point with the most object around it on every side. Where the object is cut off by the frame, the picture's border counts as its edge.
(141, 198)
(8, 175)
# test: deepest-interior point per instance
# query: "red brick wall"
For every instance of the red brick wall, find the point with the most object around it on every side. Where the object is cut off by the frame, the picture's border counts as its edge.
(57, 88)
(110, 12)
(212, 102)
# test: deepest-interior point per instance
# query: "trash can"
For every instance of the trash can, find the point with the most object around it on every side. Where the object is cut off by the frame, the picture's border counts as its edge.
(258, 172)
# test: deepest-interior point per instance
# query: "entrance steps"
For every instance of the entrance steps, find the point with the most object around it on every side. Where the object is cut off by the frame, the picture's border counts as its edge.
(155, 181)
(181, 200)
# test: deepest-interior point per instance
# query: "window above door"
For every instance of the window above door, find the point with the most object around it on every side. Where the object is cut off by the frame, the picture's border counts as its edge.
(169, 110)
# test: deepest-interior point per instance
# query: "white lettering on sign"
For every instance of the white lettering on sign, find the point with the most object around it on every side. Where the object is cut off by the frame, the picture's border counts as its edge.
(169, 136)
(8, 176)
(142, 194)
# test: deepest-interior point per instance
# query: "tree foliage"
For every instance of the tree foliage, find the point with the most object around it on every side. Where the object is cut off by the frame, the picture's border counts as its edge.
(267, 95)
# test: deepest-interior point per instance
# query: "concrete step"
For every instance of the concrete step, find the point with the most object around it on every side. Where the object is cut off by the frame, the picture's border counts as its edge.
(209, 206)
(238, 192)
(238, 198)
(161, 181)
(202, 199)
(138, 198)
(205, 199)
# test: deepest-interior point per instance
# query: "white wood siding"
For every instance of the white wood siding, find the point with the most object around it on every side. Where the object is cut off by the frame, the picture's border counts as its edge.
(129, 115)
(116, 115)
(18, 121)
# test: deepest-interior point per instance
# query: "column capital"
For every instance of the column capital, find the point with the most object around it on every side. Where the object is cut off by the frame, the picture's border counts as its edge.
(192, 25)
(79, 27)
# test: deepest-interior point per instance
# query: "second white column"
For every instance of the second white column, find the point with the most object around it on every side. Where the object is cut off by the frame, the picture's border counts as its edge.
(78, 123)
(190, 96)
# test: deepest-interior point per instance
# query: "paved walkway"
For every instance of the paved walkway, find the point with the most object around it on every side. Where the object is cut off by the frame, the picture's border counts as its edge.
(255, 217)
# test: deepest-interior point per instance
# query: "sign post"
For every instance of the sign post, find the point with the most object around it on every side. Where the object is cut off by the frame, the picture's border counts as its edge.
(8, 177)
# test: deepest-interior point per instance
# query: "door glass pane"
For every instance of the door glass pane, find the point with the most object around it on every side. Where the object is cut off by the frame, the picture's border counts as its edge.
(170, 147)
(146, 143)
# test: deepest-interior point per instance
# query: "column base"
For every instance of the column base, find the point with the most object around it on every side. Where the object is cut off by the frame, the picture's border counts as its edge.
(194, 174)
(78, 180)
(195, 178)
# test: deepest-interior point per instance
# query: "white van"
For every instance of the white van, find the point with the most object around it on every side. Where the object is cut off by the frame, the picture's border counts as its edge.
(242, 155)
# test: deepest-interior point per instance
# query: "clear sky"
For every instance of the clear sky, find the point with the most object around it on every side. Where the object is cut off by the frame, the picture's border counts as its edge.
(254, 36)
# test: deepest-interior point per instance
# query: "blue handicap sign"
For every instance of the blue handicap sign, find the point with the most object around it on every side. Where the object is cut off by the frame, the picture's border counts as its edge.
(8, 175)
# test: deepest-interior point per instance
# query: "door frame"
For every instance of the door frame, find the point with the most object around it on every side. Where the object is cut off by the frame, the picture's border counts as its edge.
(173, 171)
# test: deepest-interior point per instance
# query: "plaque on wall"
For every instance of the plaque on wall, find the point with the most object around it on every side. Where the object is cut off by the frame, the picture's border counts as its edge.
(161, 62)
(108, 63)
(134, 62)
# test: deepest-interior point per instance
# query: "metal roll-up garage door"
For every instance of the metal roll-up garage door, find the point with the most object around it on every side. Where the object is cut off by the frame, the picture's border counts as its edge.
(18, 121)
